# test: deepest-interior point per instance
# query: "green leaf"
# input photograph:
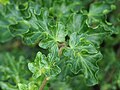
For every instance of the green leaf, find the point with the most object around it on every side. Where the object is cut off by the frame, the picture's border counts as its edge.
(38, 28)
(12, 69)
(54, 36)
(60, 33)
(29, 86)
(7, 86)
(83, 57)
(47, 43)
(76, 23)
(22, 87)
(98, 8)
(35, 6)
(23, 6)
(3, 21)
(5, 34)
(32, 37)
(4, 2)
(32, 86)
(96, 12)
(44, 65)
(93, 22)
(96, 36)
(21, 27)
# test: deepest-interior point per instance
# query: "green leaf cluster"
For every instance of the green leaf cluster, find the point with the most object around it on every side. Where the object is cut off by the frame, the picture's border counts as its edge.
(69, 34)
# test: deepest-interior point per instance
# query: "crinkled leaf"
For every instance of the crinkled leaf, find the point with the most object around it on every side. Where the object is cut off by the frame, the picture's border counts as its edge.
(19, 28)
(96, 12)
(36, 7)
(44, 65)
(38, 29)
(98, 9)
(96, 36)
(32, 37)
(76, 23)
(22, 87)
(23, 6)
(82, 57)
(60, 33)
(53, 36)
(93, 22)
(5, 34)
(30, 86)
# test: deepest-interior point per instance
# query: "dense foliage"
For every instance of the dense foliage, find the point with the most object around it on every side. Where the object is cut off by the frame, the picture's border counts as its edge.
(59, 44)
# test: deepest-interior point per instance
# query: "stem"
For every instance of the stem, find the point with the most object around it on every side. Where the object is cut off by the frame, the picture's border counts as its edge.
(61, 47)
(44, 83)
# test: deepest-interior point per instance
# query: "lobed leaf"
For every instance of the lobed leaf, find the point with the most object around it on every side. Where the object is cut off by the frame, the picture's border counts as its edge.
(83, 57)
(19, 28)
(44, 65)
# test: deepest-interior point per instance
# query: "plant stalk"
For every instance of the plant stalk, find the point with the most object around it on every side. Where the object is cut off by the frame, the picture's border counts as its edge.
(44, 83)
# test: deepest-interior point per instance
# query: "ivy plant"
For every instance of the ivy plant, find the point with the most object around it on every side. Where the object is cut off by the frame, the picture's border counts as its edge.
(69, 36)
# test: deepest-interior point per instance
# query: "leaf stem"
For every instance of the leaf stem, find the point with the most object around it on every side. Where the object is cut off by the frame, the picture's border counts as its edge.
(61, 47)
(44, 83)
